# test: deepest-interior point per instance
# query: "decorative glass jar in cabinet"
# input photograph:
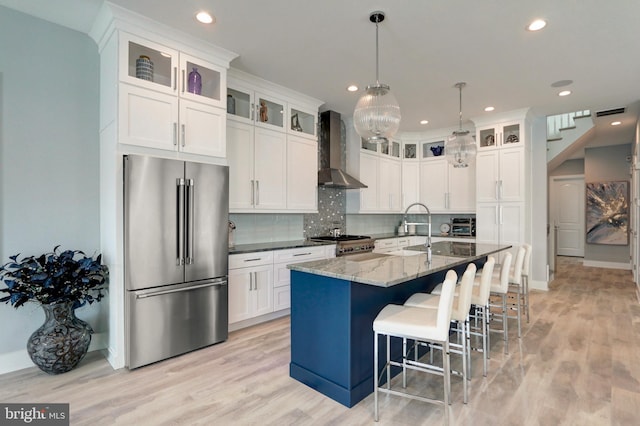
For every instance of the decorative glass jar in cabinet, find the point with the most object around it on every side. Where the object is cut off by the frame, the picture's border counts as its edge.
(151, 64)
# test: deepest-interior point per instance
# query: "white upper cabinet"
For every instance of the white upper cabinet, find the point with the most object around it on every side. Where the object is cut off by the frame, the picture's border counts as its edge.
(272, 147)
(170, 100)
(500, 135)
(381, 171)
(444, 188)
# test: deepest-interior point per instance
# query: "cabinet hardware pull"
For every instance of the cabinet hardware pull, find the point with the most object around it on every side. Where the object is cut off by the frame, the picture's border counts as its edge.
(252, 109)
(183, 136)
(175, 133)
(175, 78)
(180, 221)
(252, 260)
(190, 203)
(252, 194)
(496, 216)
(302, 254)
(250, 281)
(501, 215)
(257, 192)
(497, 193)
(183, 78)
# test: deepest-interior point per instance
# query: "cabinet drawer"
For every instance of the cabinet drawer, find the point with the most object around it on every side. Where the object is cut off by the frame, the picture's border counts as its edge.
(299, 254)
(386, 243)
(404, 242)
(250, 259)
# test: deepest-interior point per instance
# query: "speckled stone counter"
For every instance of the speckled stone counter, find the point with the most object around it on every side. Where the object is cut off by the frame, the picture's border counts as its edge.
(334, 303)
(387, 270)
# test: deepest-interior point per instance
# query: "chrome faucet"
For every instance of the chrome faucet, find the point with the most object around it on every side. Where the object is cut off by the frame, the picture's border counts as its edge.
(427, 243)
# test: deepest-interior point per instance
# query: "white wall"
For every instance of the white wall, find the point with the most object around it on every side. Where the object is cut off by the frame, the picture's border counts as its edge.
(49, 158)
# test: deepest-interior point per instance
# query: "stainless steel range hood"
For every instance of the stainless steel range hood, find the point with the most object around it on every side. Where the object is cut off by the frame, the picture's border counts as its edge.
(331, 174)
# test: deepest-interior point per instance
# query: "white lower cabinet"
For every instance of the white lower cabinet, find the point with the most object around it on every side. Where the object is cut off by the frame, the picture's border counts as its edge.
(250, 285)
(259, 282)
(386, 245)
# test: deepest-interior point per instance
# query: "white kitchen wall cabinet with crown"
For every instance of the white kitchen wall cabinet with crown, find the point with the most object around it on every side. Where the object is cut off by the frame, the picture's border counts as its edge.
(503, 179)
(272, 147)
(152, 102)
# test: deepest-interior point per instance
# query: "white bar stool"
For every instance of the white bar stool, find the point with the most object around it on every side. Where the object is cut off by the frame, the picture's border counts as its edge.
(424, 325)
(459, 316)
(480, 307)
(500, 287)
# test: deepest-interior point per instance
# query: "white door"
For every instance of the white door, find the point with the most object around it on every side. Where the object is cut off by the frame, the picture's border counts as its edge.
(433, 184)
(410, 183)
(568, 214)
(262, 290)
(302, 174)
(240, 156)
(240, 293)
(511, 185)
(487, 176)
(369, 176)
(462, 189)
(390, 185)
(270, 164)
(202, 129)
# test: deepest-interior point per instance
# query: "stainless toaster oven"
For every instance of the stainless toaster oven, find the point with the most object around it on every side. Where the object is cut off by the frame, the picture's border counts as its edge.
(463, 226)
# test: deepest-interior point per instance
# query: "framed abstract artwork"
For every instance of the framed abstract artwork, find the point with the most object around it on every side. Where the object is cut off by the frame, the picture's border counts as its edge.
(607, 213)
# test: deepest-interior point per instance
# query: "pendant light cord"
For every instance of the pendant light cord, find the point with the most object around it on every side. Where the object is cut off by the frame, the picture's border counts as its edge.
(377, 59)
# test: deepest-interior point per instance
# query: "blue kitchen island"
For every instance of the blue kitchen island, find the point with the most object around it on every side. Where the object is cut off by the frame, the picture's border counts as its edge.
(334, 303)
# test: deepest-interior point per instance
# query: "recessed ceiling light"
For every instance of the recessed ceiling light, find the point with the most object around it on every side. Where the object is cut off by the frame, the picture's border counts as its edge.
(564, 93)
(489, 109)
(204, 17)
(352, 88)
(616, 123)
(537, 25)
(424, 121)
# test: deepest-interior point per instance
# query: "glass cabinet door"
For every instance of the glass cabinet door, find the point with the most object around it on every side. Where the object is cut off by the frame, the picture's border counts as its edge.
(302, 122)
(433, 149)
(240, 103)
(410, 151)
(202, 81)
(148, 64)
(269, 111)
(511, 134)
(488, 138)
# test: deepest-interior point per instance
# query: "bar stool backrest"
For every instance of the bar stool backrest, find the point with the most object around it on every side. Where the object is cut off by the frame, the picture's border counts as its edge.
(504, 272)
(461, 310)
(517, 266)
(445, 306)
(527, 259)
(485, 280)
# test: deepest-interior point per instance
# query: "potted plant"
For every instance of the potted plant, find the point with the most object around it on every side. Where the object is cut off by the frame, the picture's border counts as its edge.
(60, 282)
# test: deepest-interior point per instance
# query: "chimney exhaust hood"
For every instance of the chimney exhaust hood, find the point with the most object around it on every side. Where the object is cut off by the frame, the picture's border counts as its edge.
(331, 174)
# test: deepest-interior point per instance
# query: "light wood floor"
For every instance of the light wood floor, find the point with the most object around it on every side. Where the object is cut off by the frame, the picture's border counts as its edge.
(578, 363)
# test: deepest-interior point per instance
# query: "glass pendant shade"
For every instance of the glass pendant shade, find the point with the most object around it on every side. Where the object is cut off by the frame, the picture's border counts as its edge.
(377, 114)
(376, 117)
(460, 149)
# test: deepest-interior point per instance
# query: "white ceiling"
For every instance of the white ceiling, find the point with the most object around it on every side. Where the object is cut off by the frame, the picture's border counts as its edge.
(320, 47)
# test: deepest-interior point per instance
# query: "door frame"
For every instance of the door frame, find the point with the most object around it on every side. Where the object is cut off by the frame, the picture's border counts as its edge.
(553, 209)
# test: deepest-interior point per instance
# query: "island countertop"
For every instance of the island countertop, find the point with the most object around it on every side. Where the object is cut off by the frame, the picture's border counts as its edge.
(386, 270)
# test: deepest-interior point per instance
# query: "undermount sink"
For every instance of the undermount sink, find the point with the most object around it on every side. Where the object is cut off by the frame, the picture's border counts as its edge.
(405, 252)
(361, 257)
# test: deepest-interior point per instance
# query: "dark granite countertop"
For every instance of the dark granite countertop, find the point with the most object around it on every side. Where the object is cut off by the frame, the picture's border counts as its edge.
(275, 245)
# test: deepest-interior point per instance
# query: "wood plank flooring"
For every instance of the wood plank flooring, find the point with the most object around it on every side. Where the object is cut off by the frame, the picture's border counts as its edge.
(578, 363)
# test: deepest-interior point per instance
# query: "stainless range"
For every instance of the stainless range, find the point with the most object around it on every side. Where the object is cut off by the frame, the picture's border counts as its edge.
(349, 244)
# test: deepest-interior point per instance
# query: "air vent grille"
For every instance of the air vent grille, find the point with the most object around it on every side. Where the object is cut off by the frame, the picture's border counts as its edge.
(610, 112)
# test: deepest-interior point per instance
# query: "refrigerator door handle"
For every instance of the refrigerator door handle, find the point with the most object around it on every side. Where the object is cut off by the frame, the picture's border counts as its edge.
(190, 206)
(177, 290)
(180, 225)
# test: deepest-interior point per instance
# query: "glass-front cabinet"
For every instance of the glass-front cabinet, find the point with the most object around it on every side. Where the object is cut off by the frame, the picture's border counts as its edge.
(302, 122)
(409, 151)
(432, 149)
(256, 108)
(499, 135)
(390, 148)
(148, 64)
(157, 67)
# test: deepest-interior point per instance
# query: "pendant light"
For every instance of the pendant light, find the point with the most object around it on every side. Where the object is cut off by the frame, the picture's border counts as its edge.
(377, 114)
(460, 148)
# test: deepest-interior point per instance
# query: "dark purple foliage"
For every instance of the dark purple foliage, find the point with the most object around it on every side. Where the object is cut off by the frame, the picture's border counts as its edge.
(54, 277)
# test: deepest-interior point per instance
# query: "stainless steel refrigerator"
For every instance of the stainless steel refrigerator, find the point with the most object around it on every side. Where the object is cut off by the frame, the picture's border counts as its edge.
(175, 257)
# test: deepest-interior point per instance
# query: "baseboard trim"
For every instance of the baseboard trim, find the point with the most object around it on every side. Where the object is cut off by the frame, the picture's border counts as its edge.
(258, 320)
(19, 360)
(539, 285)
(609, 265)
